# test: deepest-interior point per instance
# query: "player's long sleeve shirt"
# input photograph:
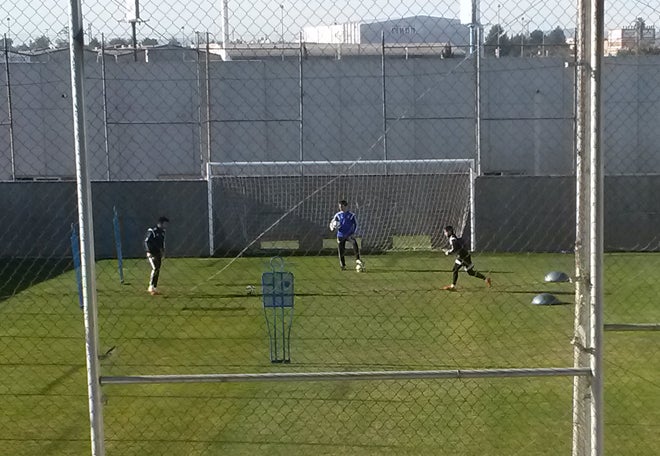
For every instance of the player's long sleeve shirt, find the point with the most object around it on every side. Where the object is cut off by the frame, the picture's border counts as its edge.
(154, 243)
(347, 224)
(457, 247)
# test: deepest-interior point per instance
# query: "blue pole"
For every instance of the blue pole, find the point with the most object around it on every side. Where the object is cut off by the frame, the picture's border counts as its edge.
(120, 262)
(75, 251)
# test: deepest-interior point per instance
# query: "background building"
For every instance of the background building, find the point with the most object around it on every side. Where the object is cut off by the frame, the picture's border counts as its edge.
(636, 37)
(414, 29)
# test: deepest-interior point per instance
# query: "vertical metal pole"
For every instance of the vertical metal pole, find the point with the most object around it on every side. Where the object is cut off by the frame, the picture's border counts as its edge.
(224, 12)
(474, 26)
(538, 102)
(475, 50)
(499, 32)
(522, 38)
(282, 30)
(200, 131)
(208, 99)
(10, 112)
(596, 223)
(473, 205)
(134, 37)
(301, 104)
(209, 180)
(384, 92)
(477, 100)
(104, 90)
(581, 338)
(209, 202)
(281, 23)
(86, 224)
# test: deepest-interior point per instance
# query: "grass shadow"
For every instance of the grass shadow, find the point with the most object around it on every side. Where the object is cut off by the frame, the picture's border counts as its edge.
(18, 274)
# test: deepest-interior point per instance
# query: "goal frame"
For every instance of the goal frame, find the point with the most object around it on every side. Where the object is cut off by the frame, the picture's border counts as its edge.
(316, 167)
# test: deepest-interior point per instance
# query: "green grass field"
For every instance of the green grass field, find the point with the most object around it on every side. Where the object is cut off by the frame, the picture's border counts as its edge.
(392, 317)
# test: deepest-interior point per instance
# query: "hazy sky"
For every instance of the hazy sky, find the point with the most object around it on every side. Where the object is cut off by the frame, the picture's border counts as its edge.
(25, 19)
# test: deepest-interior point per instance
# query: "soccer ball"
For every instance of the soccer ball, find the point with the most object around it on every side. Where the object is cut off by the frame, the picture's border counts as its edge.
(359, 267)
(250, 289)
(334, 224)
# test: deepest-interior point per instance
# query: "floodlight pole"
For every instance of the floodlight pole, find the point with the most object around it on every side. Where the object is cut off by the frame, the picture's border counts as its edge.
(86, 224)
(224, 24)
(224, 12)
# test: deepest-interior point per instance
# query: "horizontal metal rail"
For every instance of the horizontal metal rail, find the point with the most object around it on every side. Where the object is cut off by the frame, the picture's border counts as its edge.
(336, 376)
(632, 327)
(422, 161)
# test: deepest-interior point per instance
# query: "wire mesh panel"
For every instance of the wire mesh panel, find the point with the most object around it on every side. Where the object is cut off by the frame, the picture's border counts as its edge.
(230, 132)
(630, 315)
(352, 417)
(631, 101)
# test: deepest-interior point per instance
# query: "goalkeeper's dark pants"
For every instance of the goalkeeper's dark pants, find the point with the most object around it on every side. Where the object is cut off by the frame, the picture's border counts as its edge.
(465, 263)
(342, 249)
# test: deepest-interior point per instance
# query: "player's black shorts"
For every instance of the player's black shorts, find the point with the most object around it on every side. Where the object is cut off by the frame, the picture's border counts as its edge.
(464, 262)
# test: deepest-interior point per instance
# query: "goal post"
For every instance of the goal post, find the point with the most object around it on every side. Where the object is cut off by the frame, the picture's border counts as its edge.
(400, 204)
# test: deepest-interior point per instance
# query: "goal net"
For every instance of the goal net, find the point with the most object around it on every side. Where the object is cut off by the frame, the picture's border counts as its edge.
(399, 204)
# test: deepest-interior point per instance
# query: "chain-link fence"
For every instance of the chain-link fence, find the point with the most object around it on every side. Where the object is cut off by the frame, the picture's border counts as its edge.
(245, 125)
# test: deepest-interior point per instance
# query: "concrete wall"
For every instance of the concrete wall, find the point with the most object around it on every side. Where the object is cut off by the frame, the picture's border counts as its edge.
(37, 217)
(631, 109)
(429, 113)
(513, 214)
(525, 214)
(157, 122)
(531, 214)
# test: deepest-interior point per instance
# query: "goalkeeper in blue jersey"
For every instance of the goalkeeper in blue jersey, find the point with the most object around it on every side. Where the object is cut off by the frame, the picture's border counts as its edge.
(463, 259)
(345, 223)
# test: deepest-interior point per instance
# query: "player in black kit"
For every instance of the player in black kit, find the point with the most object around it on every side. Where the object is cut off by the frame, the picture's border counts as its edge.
(463, 259)
(154, 244)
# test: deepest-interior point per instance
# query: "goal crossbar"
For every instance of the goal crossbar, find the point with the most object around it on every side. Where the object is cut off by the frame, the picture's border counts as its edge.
(339, 167)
